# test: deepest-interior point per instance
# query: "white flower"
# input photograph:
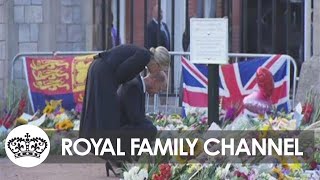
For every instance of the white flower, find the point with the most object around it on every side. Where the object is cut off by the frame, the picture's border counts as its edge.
(160, 128)
(221, 173)
(180, 126)
(171, 127)
(61, 117)
(266, 176)
(135, 173)
(76, 125)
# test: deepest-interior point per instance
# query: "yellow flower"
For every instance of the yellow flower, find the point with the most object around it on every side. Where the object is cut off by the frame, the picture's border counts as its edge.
(279, 173)
(64, 125)
(175, 116)
(265, 128)
(62, 110)
(55, 103)
(261, 117)
(48, 109)
(294, 166)
(51, 106)
(21, 121)
(193, 168)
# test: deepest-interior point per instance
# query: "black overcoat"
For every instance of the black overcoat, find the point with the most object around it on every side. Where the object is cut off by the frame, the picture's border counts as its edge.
(101, 111)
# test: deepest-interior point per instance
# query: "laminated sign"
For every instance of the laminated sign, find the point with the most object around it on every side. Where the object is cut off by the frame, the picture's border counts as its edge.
(209, 40)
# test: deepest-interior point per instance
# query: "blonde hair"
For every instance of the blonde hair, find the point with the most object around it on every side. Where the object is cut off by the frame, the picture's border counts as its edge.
(161, 56)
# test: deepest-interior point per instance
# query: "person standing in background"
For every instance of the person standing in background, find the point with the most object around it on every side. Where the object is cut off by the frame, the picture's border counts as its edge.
(186, 36)
(152, 30)
(114, 38)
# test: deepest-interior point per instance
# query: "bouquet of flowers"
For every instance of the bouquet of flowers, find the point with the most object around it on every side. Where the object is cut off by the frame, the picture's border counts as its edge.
(10, 113)
(58, 118)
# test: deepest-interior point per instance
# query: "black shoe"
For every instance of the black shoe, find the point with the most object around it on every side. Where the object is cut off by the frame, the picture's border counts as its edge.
(109, 167)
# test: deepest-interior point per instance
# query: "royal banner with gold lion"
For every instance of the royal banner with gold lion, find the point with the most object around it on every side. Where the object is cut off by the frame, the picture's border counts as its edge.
(57, 78)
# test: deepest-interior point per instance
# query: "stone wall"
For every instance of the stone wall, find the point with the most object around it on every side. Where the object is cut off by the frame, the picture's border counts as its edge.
(3, 47)
(48, 25)
(309, 75)
(70, 31)
(42, 25)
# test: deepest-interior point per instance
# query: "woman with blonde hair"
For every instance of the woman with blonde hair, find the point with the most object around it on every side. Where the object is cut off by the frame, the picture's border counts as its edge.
(160, 57)
(109, 70)
(101, 109)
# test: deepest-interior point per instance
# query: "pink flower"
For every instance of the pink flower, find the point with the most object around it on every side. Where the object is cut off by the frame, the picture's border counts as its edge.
(79, 108)
(204, 120)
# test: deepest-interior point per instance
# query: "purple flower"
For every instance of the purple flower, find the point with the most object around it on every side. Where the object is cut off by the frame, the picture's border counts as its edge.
(159, 116)
(204, 120)
(252, 175)
(78, 108)
(230, 113)
(286, 171)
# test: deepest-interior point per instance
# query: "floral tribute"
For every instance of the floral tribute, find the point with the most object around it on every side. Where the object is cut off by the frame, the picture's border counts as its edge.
(58, 122)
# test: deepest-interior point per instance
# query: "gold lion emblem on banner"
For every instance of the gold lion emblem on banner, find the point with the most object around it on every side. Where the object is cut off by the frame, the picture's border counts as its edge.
(80, 68)
(50, 74)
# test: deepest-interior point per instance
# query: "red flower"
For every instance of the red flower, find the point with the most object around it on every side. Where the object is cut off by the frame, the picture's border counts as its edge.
(156, 177)
(164, 173)
(7, 124)
(237, 173)
(313, 165)
(22, 105)
(165, 170)
(240, 174)
(307, 110)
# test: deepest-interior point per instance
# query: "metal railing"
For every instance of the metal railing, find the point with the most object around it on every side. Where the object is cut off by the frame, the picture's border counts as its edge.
(20, 57)
(236, 56)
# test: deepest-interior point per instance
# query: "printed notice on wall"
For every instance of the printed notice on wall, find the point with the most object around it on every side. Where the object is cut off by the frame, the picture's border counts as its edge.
(209, 40)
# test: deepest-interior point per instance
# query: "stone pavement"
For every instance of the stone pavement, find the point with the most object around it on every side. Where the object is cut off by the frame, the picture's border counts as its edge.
(9, 171)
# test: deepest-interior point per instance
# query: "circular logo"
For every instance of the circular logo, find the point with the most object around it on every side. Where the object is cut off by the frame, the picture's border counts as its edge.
(27, 146)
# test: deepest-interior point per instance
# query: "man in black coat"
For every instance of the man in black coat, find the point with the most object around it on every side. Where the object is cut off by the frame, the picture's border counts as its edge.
(152, 30)
(132, 102)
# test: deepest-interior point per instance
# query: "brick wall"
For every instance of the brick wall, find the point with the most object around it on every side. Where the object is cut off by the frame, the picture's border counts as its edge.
(192, 7)
(236, 27)
(235, 22)
(219, 8)
(138, 26)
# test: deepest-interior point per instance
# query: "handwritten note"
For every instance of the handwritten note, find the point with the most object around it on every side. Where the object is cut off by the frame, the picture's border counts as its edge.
(209, 40)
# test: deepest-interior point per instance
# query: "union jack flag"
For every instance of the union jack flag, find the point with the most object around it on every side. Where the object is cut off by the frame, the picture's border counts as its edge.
(236, 81)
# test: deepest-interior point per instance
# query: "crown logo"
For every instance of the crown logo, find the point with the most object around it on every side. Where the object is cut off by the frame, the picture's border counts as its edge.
(23, 147)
